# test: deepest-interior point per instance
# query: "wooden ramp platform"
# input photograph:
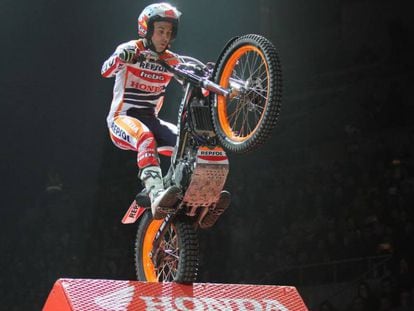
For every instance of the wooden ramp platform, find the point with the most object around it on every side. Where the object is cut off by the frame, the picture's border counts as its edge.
(111, 295)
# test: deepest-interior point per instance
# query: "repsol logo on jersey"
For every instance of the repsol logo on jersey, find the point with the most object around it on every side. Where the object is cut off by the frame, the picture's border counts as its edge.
(152, 76)
(152, 66)
(146, 87)
(120, 132)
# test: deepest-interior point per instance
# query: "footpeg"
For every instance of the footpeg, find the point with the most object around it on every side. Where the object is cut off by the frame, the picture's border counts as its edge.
(165, 202)
(143, 199)
(214, 213)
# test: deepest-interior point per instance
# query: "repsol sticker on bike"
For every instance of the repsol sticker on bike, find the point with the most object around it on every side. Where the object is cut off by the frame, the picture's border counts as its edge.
(216, 155)
(133, 213)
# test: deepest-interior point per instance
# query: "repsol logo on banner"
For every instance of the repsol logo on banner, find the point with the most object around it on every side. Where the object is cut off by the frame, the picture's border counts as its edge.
(209, 304)
(117, 131)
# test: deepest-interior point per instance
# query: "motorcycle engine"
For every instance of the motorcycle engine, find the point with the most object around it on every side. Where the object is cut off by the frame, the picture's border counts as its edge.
(201, 117)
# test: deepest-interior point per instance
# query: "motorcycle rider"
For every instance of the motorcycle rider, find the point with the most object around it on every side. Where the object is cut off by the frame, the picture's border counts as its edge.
(138, 95)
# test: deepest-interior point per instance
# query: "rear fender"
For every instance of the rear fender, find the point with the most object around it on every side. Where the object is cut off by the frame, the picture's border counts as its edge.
(134, 212)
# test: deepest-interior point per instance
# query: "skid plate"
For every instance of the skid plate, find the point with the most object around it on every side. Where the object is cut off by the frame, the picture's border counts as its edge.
(208, 178)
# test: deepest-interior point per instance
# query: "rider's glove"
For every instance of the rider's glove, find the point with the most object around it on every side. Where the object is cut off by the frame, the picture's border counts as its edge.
(127, 56)
(149, 55)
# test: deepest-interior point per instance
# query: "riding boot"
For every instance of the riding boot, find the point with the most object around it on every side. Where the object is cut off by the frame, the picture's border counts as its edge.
(162, 200)
(214, 213)
(143, 199)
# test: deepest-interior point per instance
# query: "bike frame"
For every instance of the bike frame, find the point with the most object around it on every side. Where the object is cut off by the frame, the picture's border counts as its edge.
(217, 158)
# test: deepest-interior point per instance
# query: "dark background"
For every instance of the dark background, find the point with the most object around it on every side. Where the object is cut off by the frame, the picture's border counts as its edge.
(335, 181)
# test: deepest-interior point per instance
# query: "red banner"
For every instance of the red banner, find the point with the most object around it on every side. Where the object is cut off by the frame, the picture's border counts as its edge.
(105, 295)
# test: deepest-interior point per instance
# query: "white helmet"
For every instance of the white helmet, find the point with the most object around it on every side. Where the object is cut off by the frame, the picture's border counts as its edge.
(154, 13)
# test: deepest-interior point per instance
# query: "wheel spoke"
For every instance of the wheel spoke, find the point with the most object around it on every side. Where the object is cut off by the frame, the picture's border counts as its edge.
(170, 255)
(239, 111)
(250, 65)
(257, 69)
(258, 94)
(246, 112)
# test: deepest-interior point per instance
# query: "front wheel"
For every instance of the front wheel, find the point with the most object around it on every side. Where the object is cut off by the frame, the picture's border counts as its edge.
(176, 258)
(249, 66)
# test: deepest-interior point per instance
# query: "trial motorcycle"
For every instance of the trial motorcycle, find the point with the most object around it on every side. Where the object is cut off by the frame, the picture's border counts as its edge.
(229, 106)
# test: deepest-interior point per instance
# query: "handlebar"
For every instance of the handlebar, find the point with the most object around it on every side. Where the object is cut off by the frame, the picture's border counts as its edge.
(194, 71)
(185, 73)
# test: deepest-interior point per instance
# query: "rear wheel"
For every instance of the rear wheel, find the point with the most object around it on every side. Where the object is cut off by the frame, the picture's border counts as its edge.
(175, 260)
(250, 66)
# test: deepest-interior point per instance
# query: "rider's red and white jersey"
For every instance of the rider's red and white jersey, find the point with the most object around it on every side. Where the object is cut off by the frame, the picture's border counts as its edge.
(139, 88)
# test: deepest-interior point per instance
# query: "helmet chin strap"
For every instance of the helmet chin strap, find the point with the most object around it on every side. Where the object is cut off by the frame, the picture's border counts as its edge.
(148, 44)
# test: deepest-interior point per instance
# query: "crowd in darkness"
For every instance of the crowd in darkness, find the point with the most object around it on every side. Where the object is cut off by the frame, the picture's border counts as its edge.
(333, 190)
(342, 210)
(355, 207)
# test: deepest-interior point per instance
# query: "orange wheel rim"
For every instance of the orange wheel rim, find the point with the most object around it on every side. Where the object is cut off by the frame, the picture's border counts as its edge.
(235, 123)
(148, 265)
